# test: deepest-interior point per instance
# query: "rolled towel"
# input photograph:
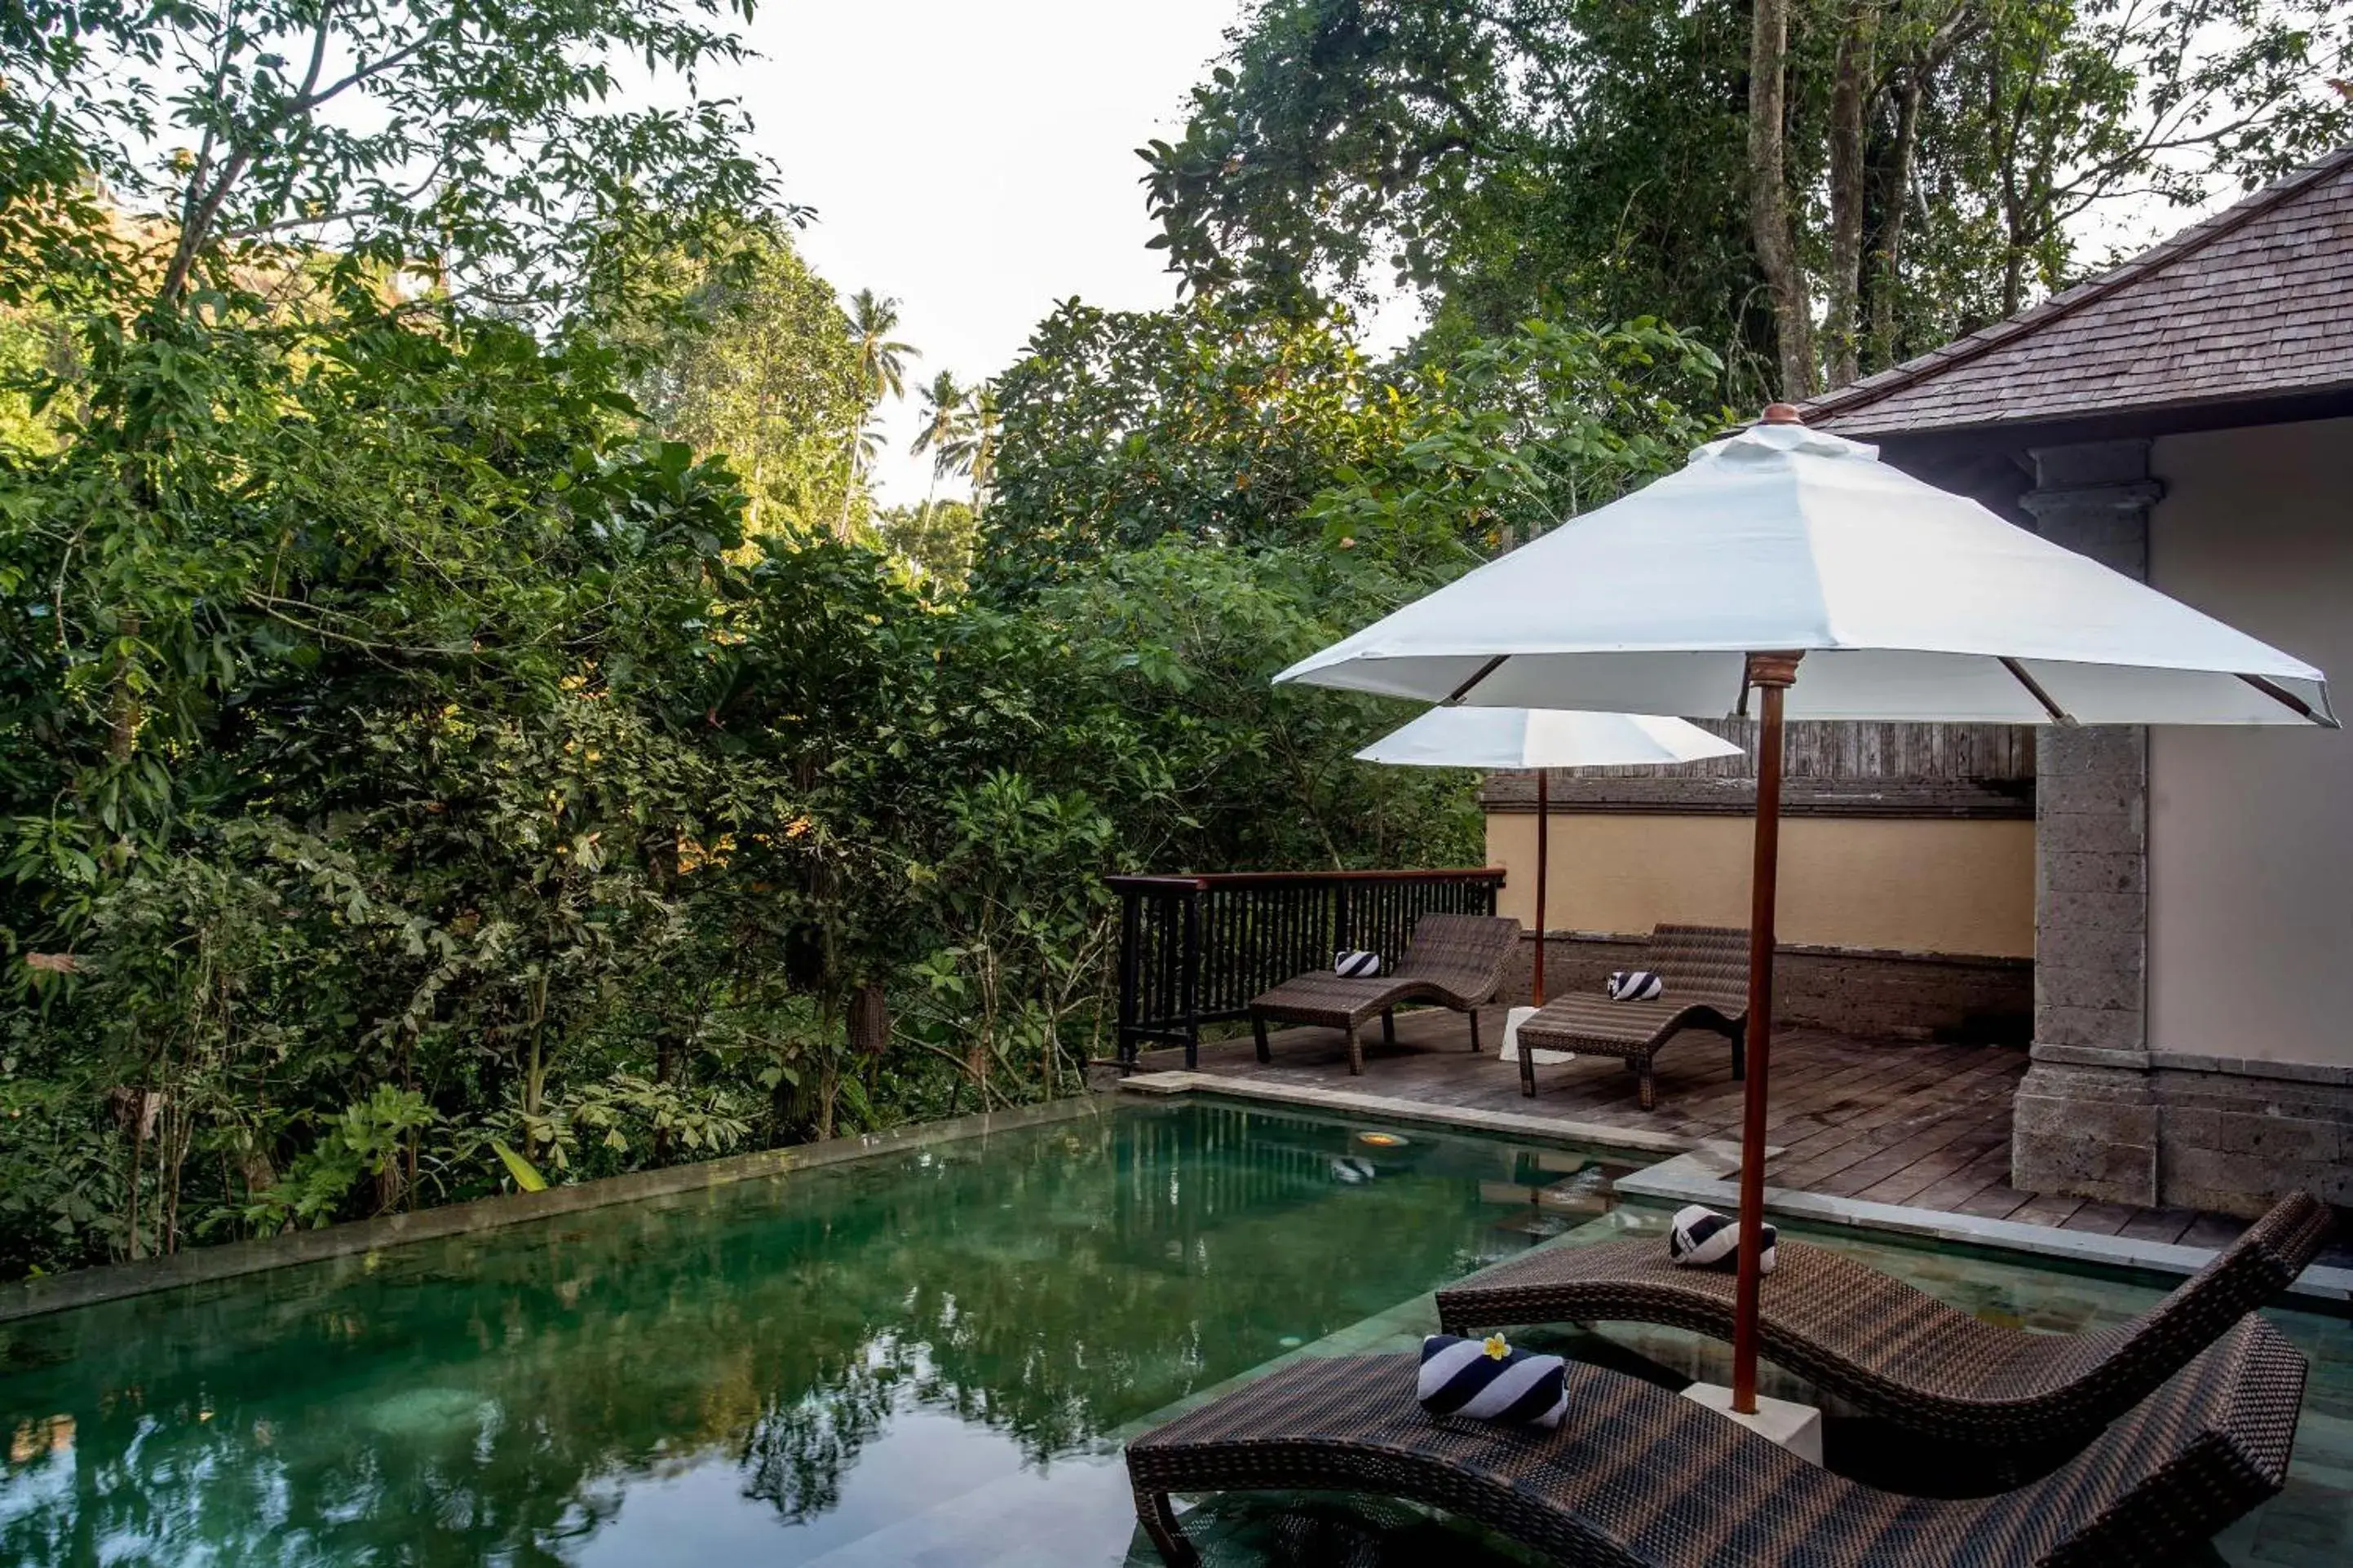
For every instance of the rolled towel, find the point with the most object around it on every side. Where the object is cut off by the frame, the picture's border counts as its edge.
(1354, 965)
(1486, 1380)
(1702, 1238)
(1636, 986)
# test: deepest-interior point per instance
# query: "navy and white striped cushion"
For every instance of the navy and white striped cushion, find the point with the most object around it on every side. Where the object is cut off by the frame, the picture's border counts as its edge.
(1356, 964)
(1702, 1238)
(1635, 985)
(1464, 1377)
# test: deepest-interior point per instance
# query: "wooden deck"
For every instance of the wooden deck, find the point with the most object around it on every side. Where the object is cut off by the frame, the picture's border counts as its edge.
(1889, 1121)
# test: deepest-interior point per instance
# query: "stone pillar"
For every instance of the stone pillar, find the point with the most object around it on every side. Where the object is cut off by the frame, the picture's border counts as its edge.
(2087, 1123)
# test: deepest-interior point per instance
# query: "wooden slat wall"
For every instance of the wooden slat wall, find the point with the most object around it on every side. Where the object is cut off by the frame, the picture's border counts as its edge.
(1821, 749)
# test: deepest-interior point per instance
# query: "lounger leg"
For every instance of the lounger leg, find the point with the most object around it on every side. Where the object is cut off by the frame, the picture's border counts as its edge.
(1355, 1054)
(1739, 1059)
(1475, 1047)
(1527, 1069)
(1258, 1032)
(1159, 1522)
(1647, 1087)
(1389, 1027)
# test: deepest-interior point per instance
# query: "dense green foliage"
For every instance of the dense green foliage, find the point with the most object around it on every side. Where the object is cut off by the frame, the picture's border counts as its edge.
(1591, 159)
(464, 722)
(759, 360)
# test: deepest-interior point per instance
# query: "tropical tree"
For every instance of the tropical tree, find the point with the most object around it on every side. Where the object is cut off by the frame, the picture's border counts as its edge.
(1816, 189)
(757, 364)
(881, 371)
(254, 138)
(1120, 428)
(946, 429)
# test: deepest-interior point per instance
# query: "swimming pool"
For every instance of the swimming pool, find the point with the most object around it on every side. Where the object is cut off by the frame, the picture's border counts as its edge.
(926, 1357)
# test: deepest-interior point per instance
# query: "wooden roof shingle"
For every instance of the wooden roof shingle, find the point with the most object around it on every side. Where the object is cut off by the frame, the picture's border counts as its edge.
(2254, 303)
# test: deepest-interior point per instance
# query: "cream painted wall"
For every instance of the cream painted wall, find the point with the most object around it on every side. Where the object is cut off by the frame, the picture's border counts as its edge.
(2251, 831)
(1918, 886)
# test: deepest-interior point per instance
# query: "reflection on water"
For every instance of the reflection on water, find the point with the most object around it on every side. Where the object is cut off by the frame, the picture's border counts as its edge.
(783, 1367)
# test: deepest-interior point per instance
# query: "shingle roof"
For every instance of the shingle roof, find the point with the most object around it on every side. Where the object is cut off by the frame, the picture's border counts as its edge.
(2256, 302)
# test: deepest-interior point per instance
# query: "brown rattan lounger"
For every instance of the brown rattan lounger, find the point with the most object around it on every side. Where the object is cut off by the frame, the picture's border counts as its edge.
(1637, 1478)
(1705, 971)
(1900, 1353)
(1456, 960)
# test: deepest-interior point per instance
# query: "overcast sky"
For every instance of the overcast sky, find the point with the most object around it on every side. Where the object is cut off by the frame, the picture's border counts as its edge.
(976, 160)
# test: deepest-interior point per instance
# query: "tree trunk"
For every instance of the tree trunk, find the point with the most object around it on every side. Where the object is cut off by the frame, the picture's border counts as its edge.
(849, 484)
(869, 1020)
(1896, 202)
(1769, 196)
(1851, 98)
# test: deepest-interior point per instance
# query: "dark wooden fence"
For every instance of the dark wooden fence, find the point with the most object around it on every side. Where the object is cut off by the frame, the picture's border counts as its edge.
(1195, 950)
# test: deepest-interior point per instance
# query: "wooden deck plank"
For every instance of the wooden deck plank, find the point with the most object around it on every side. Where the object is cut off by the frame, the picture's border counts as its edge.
(2158, 1225)
(1988, 1170)
(2046, 1208)
(2213, 1230)
(2100, 1219)
(2000, 1201)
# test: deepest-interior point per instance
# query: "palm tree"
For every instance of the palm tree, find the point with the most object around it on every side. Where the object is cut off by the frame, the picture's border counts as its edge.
(960, 430)
(980, 462)
(881, 371)
(946, 432)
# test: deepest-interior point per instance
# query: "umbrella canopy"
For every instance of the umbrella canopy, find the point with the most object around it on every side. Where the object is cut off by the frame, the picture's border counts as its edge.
(1541, 738)
(1910, 602)
(1780, 548)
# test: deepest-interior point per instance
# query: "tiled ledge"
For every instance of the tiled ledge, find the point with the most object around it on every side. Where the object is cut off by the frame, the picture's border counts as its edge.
(202, 1265)
(1469, 1119)
(1690, 1179)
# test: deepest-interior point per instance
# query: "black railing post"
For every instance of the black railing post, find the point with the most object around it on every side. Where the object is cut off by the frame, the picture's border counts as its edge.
(1129, 971)
(1191, 1002)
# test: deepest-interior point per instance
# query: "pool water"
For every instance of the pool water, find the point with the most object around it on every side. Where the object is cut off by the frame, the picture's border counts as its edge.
(926, 1357)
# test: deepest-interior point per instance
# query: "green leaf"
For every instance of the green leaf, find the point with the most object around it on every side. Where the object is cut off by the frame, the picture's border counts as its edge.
(526, 1175)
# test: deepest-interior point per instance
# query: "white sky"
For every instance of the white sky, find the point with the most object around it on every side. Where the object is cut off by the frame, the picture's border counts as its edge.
(974, 158)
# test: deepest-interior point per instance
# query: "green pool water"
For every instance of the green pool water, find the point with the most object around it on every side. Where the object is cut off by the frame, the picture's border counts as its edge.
(924, 1357)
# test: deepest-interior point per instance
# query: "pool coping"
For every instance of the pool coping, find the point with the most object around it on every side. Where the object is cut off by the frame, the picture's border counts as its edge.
(117, 1281)
(1689, 1179)
(1464, 1118)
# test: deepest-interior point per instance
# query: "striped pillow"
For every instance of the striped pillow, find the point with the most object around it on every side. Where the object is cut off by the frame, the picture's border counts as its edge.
(1354, 965)
(1486, 1380)
(1702, 1238)
(1635, 985)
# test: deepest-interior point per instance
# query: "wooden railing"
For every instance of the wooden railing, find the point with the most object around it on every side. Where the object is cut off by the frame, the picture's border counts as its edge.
(1195, 950)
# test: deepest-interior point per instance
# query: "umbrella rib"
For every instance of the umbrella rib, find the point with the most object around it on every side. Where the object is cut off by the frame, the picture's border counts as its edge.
(1485, 670)
(2286, 698)
(2058, 714)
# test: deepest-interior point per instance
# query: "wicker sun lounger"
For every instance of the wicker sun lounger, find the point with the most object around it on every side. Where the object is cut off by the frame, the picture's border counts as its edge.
(1899, 1352)
(1637, 1478)
(1456, 960)
(1705, 971)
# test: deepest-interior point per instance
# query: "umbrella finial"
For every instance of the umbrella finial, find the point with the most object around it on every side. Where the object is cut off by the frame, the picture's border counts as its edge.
(1783, 414)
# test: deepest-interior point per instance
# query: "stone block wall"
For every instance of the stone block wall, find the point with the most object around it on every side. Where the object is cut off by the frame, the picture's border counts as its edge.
(2185, 1131)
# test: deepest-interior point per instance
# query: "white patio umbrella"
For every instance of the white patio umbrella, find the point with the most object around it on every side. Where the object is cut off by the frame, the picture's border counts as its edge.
(1542, 738)
(1781, 546)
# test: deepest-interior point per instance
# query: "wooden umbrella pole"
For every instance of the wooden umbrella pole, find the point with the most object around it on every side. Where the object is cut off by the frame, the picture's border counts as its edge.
(1770, 675)
(1544, 873)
